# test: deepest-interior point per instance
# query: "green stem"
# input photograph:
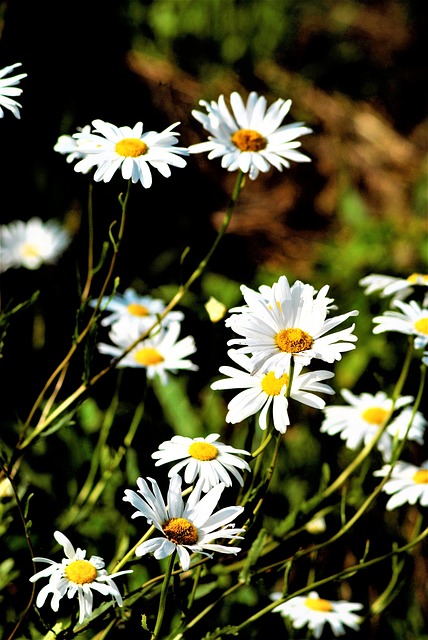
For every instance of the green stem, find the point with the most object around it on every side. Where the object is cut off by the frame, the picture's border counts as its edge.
(163, 596)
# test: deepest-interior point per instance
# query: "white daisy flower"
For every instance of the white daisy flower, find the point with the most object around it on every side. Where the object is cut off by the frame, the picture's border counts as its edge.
(8, 89)
(407, 483)
(203, 458)
(70, 147)
(110, 148)
(158, 354)
(360, 422)
(192, 527)
(76, 576)
(266, 393)
(143, 310)
(315, 612)
(284, 322)
(412, 321)
(31, 244)
(385, 285)
(249, 137)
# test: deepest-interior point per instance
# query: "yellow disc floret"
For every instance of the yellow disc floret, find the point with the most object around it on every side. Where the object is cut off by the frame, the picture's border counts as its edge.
(374, 415)
(81, 571)
(136, 309)
(249, 140)
(293, 340)
(421, 477)
(272, 385)
(421, 325)
(148, 356)
(131, 147)
(29, 250)
(418, 278)
(318, 604)
(180, 531)
(203, 451)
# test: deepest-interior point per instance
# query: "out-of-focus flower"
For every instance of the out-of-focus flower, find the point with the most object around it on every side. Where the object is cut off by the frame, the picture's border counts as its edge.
(202, 458)
(358, 423)
(110, 148)
(31, 244)
(284, 322)
(184, 527)
(142, 310)
(399, 288)
(215, 309)
(70, 147)
(407, 483)
(159, 354)
(8, 89)
(315, 612)
(267, 393)
(75, 576)
(249, 137)
(413, 321)
(425, 358)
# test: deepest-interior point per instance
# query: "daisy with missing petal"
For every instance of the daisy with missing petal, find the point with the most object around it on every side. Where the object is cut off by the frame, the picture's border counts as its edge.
(143, 310)
(358, 423)
(158, 354)
(31, 244)
(268, 394)
(184, 527)
(69, 146)
(76, 576)
(110, 148)
(399, 288)
(407, 483)
(8, 89)
(203, 458)
(315, 612)
(284, 322)
(413, 321)
(249, 137)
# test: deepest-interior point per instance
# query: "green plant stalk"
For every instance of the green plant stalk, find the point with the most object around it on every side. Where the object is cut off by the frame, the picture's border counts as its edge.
(173, 302)
(163, 596)
(90, 272)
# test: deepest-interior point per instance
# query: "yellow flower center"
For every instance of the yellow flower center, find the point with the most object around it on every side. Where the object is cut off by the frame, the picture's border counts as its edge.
(203, 451)
(81, 571)
(421, 477)
(131, 147)
(136, 309)
(249, 140)
(272, 385)
(421, 325)
(417, 278)
(148, 356)
(180, 531)
(29, 250)
(374, 415)
(318, 604)
(293, 340)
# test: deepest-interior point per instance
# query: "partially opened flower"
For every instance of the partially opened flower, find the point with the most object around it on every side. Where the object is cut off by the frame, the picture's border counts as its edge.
(8, 89)
(110, 148)
(70, 146)
(315, 612)
(142, 310)
(268, 394)
(158, 354)
(358, 423)
(407, 483)
(31, 244)
(413, 321)
(249, 137)
(76, 576)
(203, 458)
(183, 527)
(399, 288)
(283, 322)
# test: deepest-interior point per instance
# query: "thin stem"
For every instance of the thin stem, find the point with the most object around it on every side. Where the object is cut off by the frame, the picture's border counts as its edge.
(90, 273)
(163, 596)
